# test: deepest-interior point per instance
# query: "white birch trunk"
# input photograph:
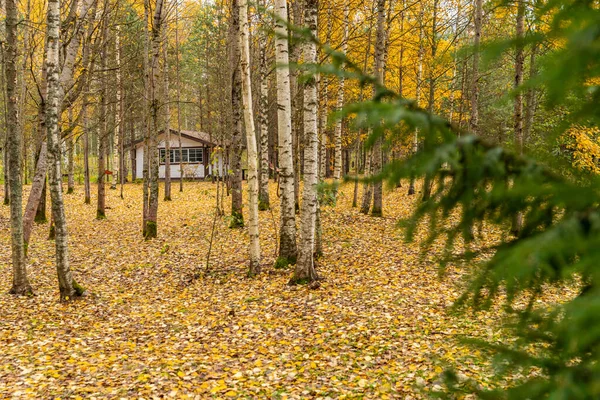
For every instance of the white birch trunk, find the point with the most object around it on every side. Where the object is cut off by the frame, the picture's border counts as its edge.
(167, 107)
(250, 141)
(66, 283)
(411, 187)
(14, 139)
(116, 141)
(287, 236)
(337, 167)
(305, 268)
(263, 120)
(474, 122)
(380, 51)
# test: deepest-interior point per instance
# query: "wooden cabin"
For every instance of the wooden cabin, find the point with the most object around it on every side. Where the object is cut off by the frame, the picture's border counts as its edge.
(196, 148)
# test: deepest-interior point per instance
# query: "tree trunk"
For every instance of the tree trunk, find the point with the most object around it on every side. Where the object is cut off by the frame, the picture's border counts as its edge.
(368, 187)
(287, 233)
(517, 222)
(379, 71)
(151, 226)
(427, 184)
(237, 218)
(474, 122)
(250, 141)
(337, 133)
(411, 186)
(531, 96)
(296, 102)
(14, 141)
(68, 287)
(103, 124)
(6, 174)
(263, 122)
(70, 156)
(178, 84)
(166, 105)
(117, 128)
(305, 268)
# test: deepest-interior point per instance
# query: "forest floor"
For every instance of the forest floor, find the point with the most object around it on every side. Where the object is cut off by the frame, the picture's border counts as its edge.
(379, 326)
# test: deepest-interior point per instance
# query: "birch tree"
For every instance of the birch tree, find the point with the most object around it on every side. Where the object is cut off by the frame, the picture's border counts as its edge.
(79, 12)
(379, 67)
(250, 141)
(411, 186)
(337, 133)
(68, 287)
(151, 199)
(117, 156)
(263, 120)
(287, 231)
(517, 221)
(237, 218)
(14, 142)
(305, 269)
(478, 17)
(103, 121)
(166, 105)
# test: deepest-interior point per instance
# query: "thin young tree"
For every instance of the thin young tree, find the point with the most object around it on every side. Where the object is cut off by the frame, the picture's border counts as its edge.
(379, 71)
(337, 132)
(263, 117)
(151, 220)
(117, 158)
(411, 186)
(478, 18)
(250, 140)
(14, 143)
(103, 120)
(287, 231)
(67, 286)
(178, 91)
(517, 222)
(305, 267)
(167, 109)
(237, 218)
(70, 155)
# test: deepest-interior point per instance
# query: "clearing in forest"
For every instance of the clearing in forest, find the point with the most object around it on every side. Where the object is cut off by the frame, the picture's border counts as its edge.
(378, 327)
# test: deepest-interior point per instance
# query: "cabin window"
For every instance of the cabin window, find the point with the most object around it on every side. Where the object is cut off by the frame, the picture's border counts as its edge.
(192, 155)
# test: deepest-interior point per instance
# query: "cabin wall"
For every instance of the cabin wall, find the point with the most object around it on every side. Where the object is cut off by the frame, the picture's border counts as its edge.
(139, 162)
(191, 171)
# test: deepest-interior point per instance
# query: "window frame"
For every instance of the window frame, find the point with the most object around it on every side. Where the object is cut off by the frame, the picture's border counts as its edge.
(198, 155)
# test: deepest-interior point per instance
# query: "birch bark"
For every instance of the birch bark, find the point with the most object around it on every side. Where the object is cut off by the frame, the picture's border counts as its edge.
(263, 122)
(379, 73)
(14, 141)
(67, 286)
(305, 268)
(337, 133)
(411, 186)
(287, 232)
(517, 222)
(151, 230)
(237, 218)
(117, 128)
(166, 105)
(250, 141)
(474, 122)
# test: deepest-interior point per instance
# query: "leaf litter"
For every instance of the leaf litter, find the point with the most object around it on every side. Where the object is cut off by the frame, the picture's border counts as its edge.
(159, 324)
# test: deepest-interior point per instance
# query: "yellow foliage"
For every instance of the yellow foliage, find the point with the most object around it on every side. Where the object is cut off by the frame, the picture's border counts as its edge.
(583, 143)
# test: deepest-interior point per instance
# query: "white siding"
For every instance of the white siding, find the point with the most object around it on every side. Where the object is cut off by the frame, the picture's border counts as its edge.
(139, 162)
(190, 170)
(185, 142)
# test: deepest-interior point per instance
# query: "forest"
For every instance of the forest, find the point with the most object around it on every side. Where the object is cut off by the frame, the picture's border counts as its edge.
(296, 199)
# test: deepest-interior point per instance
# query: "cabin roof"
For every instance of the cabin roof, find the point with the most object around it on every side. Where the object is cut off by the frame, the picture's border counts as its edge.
(201, 137)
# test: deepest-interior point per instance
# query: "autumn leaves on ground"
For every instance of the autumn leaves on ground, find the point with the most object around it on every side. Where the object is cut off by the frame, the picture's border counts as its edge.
(379, 325)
